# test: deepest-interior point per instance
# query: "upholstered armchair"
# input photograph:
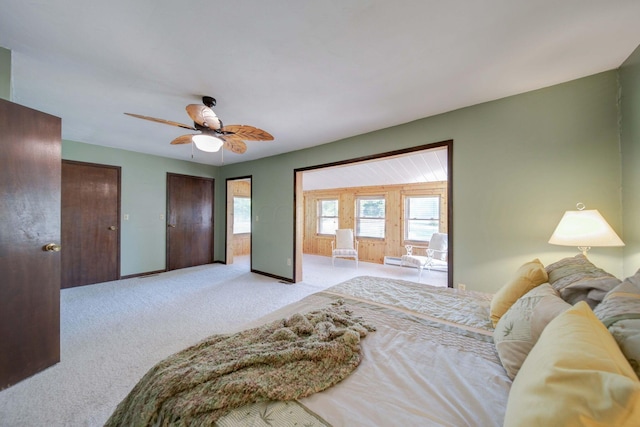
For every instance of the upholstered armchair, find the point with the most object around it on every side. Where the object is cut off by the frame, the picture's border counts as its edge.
(344, 245)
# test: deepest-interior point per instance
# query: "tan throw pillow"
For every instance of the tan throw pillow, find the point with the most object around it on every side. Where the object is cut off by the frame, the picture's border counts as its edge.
(520, 327)
(577, 279)
(528, 276)
(575, 375)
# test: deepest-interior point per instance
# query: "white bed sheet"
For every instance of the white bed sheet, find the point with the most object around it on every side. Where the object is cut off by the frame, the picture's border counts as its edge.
(410, 381)
(416, 370)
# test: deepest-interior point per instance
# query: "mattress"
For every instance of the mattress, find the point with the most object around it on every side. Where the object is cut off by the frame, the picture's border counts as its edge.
(432, 360)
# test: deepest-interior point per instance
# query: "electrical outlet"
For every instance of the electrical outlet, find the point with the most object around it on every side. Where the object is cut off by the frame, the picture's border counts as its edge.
(288, 261)
(462, 286)
(125, 217)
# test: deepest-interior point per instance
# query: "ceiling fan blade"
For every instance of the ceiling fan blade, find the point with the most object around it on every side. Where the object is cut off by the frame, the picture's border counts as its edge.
(204, 116)
(183, 139)
(235, 145)
(166, 122)
(248, 133)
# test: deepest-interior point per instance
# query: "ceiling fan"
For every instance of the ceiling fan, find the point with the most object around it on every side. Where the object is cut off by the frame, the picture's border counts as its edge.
(213, 134)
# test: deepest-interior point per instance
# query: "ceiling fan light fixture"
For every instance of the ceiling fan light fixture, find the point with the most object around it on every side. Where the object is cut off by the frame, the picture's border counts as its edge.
(207, 143)
(213, 134)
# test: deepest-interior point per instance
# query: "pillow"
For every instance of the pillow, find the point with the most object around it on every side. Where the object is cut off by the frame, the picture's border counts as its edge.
(528, 276)
(627, 335)
(577, 279)
(620, 312)
(575, 375)
(520, 327)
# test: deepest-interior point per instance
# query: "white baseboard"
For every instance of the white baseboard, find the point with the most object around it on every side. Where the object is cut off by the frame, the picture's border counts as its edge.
(392, 260)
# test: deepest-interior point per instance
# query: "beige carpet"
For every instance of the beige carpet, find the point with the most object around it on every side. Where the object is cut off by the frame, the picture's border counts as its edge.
(112, 333)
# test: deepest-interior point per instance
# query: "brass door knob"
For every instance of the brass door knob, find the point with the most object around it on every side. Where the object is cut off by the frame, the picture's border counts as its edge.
(171, 225)
(51, 247)
(113, 227)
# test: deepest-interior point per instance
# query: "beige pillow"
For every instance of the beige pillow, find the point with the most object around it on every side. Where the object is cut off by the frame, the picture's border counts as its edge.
(528, 276)
(577, 279)
(575, 375)
(520, 327)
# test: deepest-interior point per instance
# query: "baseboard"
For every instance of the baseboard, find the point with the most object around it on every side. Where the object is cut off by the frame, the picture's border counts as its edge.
(148, 273)
(284, 279)
(392, 260)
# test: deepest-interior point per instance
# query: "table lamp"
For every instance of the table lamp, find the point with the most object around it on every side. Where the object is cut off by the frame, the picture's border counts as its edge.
(585, 229)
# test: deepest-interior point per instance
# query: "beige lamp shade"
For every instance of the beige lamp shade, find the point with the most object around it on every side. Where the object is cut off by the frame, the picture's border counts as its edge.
(584, 229)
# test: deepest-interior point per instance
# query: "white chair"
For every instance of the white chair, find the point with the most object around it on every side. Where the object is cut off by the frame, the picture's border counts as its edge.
(436, 257)
(344, 245)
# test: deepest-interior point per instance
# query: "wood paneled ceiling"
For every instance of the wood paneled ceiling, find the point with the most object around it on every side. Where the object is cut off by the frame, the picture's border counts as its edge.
(422, 166)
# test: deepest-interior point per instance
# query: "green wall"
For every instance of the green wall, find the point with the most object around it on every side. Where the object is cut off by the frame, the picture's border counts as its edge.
(143, 198)
(5, 73)
(630, 139)
(518, 164)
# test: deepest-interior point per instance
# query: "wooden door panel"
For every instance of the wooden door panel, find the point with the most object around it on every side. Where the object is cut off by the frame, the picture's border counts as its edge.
(196, 252)
(90, 223)
(189, 221)
(30, 211)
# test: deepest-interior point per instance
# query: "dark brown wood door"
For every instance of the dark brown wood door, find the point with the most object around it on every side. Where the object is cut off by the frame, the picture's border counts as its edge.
(189, 221)
(90, 223)
(30, 220)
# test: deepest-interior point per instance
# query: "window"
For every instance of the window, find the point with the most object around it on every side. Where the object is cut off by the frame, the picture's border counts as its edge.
(241, 215)
(370, 216)
(327, 216)
(421, 217)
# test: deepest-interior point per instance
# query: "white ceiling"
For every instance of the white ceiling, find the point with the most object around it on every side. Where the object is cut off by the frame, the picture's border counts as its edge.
(308, 72)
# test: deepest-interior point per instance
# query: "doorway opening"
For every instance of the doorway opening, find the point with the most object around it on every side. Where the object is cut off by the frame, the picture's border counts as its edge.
(238, 216)
(399, 179)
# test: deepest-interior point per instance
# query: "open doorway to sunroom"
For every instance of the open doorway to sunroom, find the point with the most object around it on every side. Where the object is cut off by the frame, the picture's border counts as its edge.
(393, 204)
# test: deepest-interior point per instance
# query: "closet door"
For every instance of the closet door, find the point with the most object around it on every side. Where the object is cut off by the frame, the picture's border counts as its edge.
(90, 223)
(29, 242)
(189, 221)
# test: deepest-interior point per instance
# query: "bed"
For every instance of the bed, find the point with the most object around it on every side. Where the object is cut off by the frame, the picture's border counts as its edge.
(431, 360)
(425, 356)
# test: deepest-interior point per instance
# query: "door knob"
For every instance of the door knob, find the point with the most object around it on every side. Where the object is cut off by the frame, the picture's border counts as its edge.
(51, 247)
(113, 227)
(172, 225)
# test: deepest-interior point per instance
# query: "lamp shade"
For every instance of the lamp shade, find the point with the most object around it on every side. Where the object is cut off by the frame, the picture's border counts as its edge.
(207, 143)
(584, 228)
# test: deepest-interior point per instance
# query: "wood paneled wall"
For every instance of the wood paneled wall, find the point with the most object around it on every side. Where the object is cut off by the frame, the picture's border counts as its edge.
(370, 249)
(241, 242)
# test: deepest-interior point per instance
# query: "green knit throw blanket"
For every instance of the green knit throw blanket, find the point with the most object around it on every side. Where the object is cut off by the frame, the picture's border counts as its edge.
(283, 360)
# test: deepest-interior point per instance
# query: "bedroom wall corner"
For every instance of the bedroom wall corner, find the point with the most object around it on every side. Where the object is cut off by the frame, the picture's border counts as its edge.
(271, 209)
(5, 74)
(519, 163)
(630, 146)
(143, 199)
